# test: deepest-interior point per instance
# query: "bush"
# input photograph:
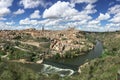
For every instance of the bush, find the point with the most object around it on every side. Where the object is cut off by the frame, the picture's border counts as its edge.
(42, 39)
(57, 56)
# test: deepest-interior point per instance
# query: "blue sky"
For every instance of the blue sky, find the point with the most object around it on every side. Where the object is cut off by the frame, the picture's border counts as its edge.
(88, 15)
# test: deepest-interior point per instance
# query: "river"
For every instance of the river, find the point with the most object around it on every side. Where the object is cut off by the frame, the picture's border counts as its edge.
(66, 67)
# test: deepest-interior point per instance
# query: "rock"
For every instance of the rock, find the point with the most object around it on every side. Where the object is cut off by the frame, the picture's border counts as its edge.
(39, 61)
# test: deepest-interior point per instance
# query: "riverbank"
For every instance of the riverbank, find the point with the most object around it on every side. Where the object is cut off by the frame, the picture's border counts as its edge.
(26, 62)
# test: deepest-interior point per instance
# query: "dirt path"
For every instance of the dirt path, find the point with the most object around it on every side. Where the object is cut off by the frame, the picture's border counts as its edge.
(21, 49)
(31, 43)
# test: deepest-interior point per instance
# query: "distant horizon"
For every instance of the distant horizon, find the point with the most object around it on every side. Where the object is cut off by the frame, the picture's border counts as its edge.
(55, 30)
(87, 15)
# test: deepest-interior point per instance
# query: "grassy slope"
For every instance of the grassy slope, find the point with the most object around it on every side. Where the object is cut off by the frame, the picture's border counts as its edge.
(105, 67)
(14, 71)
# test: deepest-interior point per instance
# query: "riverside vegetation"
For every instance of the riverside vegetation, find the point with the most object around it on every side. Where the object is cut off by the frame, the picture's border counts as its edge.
(28, 46)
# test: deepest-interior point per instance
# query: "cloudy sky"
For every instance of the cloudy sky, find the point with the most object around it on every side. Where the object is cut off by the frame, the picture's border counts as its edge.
(90, 15)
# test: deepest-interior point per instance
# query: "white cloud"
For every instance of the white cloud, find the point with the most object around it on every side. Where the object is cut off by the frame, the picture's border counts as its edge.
(60, 9)
(1, 18)
(77, 23)
(10, 23)
(34, 3)
(4, 11)
(94, 22)
(84, 14)
(19, 11)
(113, 26)
(52, 22)
(8, 26)
(118, 0)
(115, 19)
(89, 9)
(27, 21)
(5, 3)
(80, 17)
(114, 10)
(36, 14)
(46, 22)
(66, 11)
(83, 1)
(96, 25)
(3, 26)
(30, 3)
(24, 21)
(103, 16)
(69, 15)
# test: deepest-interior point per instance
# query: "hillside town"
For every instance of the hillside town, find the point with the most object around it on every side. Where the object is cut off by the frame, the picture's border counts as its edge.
(46, 42)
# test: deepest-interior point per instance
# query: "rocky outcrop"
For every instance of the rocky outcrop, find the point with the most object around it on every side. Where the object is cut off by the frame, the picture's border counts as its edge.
(69, 39)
